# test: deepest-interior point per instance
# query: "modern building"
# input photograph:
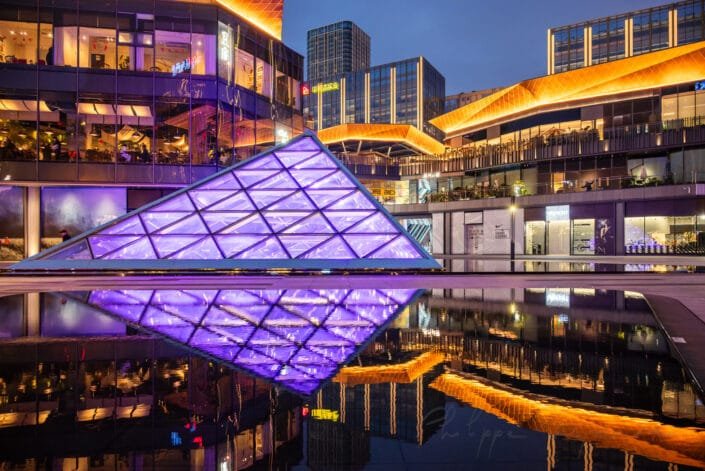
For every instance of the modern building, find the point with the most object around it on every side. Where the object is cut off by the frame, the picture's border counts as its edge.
(409, 92)
(465, 98)
(336, 49)
(625, 35)
(106, 107)
(602, 160)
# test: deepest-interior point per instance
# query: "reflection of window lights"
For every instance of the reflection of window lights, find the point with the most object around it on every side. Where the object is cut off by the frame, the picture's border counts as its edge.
(558, 297)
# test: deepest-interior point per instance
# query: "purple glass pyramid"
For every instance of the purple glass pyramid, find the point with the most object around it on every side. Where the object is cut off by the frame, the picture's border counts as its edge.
(295, 338)
(293, 207)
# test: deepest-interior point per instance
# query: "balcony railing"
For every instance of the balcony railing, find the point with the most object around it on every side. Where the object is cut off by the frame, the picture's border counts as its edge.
(639, 138)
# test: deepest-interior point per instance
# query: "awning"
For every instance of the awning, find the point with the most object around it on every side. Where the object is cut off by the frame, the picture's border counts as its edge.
(103, 113)
(26, 110)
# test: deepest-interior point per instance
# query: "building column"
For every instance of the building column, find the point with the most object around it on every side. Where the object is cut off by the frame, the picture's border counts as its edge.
(549, 52)
(31, 310)
(32, 221)
(619, 228)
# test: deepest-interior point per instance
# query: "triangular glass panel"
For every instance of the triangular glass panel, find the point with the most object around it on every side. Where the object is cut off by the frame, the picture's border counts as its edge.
(296, 202)
(271, 248)
(237, 202)
(179, 202)
(190, 225)
(323, 198)
(205, 198)
(100, 245)
(251, 225)
(334, 182)
(307, 177)
(178, 333)
(218, 317)
(138, 250)
(238, 335)
(280, 220)
(357, 335)
(266, 163)
(355, 201)
(342, 317)
(363, 244)
(203, 337)
(203, 250)
(156, 317)
(289, 159)
(192, 313)
(166, 245)
(131, 225)
(323, 338)
(223, 182)
(220, 220)
(78, 251)
(154, 221)
(250, 177)
(294, 334)
(289, 373)
(341, 220)
(237, 297)
(296, 245)
(303, 143)
(253, 314)
(279, 352)
(264, 198)
(400, 248)
(234, 244)
(318, 161)
(265, 338)
(279, 317)
(376, 224)
(314, 224)
(226, 353)
(334, 249)
(280, 181)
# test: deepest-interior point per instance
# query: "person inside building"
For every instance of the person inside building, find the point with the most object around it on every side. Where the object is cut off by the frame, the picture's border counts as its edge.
(64, 235)
(145, 156)
(587, 185)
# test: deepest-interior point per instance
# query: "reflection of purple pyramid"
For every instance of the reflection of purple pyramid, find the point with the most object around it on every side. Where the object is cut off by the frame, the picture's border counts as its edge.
(292, 337)
(294, 206)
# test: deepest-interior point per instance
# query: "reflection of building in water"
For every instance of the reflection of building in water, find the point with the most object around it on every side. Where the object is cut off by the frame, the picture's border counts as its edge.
(389, 400)
(133, 402)
(602, 348)
(595, 426)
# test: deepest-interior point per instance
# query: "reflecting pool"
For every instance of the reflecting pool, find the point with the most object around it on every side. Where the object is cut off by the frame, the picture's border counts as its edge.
(296, 377)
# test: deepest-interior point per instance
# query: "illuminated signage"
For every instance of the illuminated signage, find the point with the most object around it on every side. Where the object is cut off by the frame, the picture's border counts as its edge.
(700, 85)
(557, 213)
(305, 89)
(179, 67)
(325, 87)
(325, 414)
(225, 44)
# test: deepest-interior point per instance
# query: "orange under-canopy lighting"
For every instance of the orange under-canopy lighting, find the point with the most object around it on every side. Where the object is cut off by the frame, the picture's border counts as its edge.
(402, 133)
(643, 72)
(402, 373)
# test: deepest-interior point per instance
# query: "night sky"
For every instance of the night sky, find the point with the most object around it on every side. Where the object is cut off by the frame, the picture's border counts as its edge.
(476, 44)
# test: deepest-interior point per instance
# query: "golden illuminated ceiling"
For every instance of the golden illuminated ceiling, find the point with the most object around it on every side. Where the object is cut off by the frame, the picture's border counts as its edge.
(644, 72)
(264, 14)
(640, 436)
(403, 133)
(402, 373)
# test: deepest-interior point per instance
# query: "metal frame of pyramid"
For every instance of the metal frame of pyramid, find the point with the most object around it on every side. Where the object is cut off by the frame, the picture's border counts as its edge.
(294, 207)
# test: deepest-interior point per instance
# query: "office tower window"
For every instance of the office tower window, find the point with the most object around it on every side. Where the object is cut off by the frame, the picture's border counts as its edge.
(691, 22)
(650, 30)
(569, 46)
(355, 98)
(380, 92)
(608, 40)
(406, 93)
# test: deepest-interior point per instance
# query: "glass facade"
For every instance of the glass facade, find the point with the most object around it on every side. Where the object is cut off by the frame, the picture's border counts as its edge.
(569, 48)
(388, 102)
(650, 30)
(628, 34)
(664, 235)
(608, 40)
(336, 49)
(380, 94)
(148, 84)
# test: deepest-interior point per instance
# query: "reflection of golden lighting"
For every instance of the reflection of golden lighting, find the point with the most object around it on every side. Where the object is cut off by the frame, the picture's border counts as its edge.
(644, 437)
(402, 373)
(403, 133)
(643, 72)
